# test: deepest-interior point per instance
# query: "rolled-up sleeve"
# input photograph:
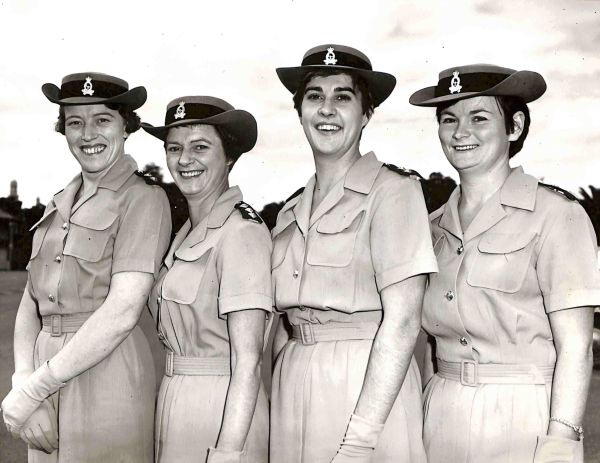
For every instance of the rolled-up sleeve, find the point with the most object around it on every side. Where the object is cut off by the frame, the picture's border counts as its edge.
(144, 231)
(400, 234)
(567, 265)
(244, 269)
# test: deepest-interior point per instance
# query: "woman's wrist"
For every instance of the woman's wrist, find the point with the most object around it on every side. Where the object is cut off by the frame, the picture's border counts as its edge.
(561, 429)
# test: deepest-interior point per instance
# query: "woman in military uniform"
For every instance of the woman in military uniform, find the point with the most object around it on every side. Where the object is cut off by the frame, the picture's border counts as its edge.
(510, 309)
(212, 294)
(84, 383)
(351, 252)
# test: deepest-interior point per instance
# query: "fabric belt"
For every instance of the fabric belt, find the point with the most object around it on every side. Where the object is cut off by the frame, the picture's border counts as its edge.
(310, 333)
(196, 366)
(471, 373)
(58, 324)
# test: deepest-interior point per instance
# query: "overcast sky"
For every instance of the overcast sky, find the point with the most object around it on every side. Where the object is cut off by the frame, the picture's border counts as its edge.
(230, 49)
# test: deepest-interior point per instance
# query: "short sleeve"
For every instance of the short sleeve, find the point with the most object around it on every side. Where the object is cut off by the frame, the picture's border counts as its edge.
(400, 234)
(244, 268)
(567, 268)
(144, 231)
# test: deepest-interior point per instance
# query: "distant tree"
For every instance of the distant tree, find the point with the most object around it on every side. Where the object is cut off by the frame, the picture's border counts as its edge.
(269, 213)
(591, 204)
(437, 189)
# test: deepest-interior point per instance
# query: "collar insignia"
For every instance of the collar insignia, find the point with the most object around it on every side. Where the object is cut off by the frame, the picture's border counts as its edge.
(330, 57)
(180, 113)
(455, 86)
(87, 87)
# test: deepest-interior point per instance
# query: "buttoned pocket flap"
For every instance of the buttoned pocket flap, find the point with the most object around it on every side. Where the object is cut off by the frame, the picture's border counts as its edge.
(88, 235)
(183, 279)
(192, 253)
(504, 243)
(502, 261)
(333, 245)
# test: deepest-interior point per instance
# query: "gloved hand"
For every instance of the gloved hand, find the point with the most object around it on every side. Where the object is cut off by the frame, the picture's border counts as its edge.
(224, 456)
(22, 401)
(359, 442)
(40, 431)
(553, 449)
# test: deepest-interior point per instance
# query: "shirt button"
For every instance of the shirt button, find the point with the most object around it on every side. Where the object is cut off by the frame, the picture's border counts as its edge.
(460, 250)
(65, 226)
(51, 298)
(463, 341)
(449, 295)
(296, 273)
(58, 259)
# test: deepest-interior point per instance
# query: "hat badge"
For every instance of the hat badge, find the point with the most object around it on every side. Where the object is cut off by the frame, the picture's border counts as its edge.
(87, 86)
(330, 57)
(455, 86)
(180, 112)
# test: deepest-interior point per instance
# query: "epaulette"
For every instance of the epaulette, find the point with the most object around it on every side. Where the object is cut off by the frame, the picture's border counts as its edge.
(248, 212)
(559, 191)
(146, 177)
(406, 172)
(296, 193)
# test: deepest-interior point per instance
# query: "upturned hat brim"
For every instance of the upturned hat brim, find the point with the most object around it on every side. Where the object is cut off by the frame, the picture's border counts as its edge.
(528, 85)
(381, 84)
(133, 98)
(240, 124)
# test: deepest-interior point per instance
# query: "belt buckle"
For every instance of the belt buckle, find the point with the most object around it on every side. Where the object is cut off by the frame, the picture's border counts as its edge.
(169, 364)
(307, 335)
(55, 325)
(463, 381)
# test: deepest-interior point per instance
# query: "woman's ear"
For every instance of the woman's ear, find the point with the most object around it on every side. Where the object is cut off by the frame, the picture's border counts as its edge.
(518, 120)
(365, 120)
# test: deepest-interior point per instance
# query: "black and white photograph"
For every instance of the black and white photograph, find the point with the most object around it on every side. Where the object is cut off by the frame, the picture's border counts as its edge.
(297, 231)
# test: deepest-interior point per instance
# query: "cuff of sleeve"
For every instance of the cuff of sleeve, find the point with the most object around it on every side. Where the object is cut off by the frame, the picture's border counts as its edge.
(404, 271)
(551, 449)
(571, 299)
(133, 265)
(229, 304)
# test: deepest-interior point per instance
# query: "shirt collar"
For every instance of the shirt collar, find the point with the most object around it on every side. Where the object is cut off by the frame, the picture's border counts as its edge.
(519, 190)
(362, 173)
(118, 173)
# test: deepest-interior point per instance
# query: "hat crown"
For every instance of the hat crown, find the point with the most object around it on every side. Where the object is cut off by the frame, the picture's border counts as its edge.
(336, 55)
(195, 107)
(95, 77)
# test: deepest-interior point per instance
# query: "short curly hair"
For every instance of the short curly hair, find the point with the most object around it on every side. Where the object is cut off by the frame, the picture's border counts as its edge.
(509, 106)
(132, 120)
(359, 83)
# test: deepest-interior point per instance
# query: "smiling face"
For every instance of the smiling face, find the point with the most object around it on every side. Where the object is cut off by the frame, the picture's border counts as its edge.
(332, 115)
(196, 160)
(95, 134)
(473, 134)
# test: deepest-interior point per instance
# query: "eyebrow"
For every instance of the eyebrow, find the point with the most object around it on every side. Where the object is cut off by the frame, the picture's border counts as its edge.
(93, 115)
(475, 111)
(336, 89)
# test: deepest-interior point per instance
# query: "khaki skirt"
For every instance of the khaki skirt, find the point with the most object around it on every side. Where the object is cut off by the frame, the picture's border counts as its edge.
(314, 391)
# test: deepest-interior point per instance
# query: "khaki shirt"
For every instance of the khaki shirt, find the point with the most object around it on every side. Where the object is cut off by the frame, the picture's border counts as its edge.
(369, 232)
(220, 266)
(123, 224)
(530, 251)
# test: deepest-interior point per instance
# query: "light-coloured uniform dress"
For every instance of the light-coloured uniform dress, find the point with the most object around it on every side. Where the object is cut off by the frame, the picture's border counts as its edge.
(105, 413)
(530, 251)
(329, 267)
(218, 267)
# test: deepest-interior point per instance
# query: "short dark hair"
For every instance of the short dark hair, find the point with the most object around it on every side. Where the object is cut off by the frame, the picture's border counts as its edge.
(359, 83)
(509, 106)
(132, 120)
(228, 141)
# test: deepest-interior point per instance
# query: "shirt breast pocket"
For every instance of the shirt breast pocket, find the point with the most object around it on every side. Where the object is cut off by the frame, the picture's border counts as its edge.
(182, 283)
(89, 234)
(333, 244)
(502, 261)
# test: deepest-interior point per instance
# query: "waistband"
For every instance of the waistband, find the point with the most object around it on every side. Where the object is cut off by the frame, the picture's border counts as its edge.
(471, 373)
(196, 366)
(311, 333)
(58, 324)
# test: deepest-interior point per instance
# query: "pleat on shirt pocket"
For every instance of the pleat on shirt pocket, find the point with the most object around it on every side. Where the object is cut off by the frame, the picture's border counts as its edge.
(502, 261)
(333, 244)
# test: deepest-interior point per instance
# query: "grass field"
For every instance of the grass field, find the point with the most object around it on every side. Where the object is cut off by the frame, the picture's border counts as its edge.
(14, 451)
